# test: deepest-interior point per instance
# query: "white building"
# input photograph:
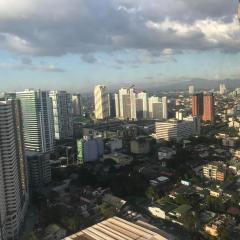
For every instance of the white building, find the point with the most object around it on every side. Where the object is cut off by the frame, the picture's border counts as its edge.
(191, 89)
(155, 108)
(90, 148)
(38, 120)
(131, 104)
(142, 105)
(101, 102)
(165, 107)
(222, 89)
(174, 130)
(77, 104)
(13, 170)
(62, 114)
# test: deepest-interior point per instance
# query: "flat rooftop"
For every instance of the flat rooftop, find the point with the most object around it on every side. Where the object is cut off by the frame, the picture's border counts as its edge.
(116, 229)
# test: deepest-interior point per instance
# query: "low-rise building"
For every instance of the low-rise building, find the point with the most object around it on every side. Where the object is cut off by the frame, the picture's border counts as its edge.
(215, 171)
(119, 158)
(89, 149)
(166, 153)
(161, 210)
(176, 130)
(117, 228)
(214, 227)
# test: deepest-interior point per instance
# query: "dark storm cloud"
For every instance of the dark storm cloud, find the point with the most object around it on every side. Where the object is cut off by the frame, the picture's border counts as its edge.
(58, 27)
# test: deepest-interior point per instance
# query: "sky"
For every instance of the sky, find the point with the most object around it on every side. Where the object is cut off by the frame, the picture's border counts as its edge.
(75, 44)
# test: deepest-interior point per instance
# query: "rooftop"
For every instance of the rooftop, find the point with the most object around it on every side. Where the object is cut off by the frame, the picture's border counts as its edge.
(116, 229)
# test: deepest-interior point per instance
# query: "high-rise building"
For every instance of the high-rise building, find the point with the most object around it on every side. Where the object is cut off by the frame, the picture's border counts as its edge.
(101, 102)
(155, 108)
(13, 170)
(191, 89)
(142, 105)
(124, 103)
(39, 170)
(197, 105)
(117, 106)
(38, 120)
(208, 110)
(165, 107)
(112, 105)
(77, 104)
(62, 114)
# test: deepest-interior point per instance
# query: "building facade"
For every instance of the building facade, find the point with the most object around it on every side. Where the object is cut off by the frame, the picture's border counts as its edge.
(101, 102)
(77, 105)
(13, 170)
(38, 120)
(208, 110)
(174, 130)
(62, 114)
(89, 149)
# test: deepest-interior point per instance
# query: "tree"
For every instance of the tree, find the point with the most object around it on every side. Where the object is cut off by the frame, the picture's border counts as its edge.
(107, 211)
(32, 236)
(152, 193)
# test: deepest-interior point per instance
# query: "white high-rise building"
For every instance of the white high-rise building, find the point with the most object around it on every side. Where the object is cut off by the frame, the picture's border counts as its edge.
(77, 104)
(124, 103)
(165, 107)
(155, 108)
(38, 120)
(191, 89)
(131, 104)
(101, 102)
(13, 170)
(117, 107)
(62, 114)
(142, 105)
(222, 89)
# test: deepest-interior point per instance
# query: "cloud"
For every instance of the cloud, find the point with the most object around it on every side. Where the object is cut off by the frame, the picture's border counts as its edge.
(27, 65)
(59, 27)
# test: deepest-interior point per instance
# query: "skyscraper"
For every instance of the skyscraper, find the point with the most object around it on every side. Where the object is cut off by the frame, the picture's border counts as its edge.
(101, 102)
(142, 105)
(77, 104)
(112, 105)
(165, 107)
(38, 121)
(13, 170)
(208, 110)
(124, 103)
(155, 108)
(197, 105)
(62, 114)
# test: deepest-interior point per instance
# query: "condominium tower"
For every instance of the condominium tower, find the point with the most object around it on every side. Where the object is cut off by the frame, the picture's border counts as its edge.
(62, 114)
(13, 170)
(38, 120)
(77, 104)
(101, 102)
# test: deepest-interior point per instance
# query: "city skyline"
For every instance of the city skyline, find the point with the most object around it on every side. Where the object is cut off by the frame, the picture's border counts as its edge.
(44, 47)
